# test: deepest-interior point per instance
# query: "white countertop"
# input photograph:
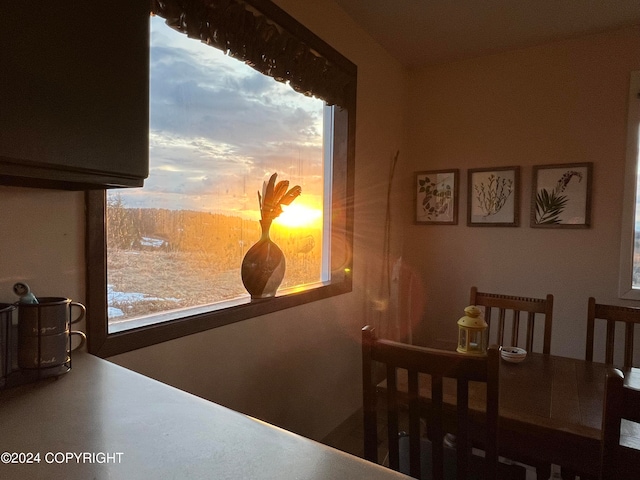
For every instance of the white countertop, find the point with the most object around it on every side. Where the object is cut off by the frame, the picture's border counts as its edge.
(102, 421)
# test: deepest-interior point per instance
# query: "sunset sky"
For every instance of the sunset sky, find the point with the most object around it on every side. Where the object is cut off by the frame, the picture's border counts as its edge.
(218, 128)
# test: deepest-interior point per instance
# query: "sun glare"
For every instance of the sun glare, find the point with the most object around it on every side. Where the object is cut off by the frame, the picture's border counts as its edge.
(299, 215)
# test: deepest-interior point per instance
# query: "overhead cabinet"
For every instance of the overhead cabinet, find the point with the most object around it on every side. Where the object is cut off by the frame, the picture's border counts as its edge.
(74, 103)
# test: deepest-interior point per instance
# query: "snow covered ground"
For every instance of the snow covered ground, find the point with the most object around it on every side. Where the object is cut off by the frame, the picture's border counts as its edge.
(114, 297)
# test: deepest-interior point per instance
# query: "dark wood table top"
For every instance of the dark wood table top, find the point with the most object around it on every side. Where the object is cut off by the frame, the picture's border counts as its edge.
(555, 392)
(550, 410)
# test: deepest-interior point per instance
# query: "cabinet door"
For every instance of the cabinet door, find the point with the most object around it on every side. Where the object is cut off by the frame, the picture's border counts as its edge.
(74, 78)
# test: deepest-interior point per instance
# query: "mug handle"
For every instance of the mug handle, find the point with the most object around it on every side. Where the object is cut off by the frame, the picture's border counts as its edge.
(83, 311)
(83, 339)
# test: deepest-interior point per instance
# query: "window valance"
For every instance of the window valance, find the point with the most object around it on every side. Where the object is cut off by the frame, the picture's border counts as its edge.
(238, 28)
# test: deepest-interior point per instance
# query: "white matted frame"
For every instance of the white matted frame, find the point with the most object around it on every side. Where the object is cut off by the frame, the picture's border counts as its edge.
(561, 195)
(436, 197)
(493, 197)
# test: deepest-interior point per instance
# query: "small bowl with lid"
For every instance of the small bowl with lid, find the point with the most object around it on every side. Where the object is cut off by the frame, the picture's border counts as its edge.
(513, 354)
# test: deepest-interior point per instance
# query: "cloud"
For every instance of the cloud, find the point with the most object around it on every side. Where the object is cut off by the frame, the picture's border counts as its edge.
(218, 128)
(197, 90)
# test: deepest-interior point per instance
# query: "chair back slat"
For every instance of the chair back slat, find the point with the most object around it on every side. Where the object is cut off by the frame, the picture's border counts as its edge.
(612, 315)
(462, 444)
(369, 406)
(628, 344)
(392, 417)
(502, 313)
(543, 307)
(610, 341)
(531, 318)
(435, 427)
(438, 367)
(493, 411)
(515, 327)
(487, 316)
(414, 424)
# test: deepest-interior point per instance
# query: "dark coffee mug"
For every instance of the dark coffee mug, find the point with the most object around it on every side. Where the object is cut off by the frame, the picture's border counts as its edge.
(51, 316)
(46, 351)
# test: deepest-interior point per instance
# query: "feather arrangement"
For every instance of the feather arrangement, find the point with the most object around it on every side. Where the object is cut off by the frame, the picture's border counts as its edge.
(274, 195)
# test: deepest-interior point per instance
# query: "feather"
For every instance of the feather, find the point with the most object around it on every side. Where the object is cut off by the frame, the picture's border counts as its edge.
(264, 190)
(291, 195)
(268, 195)
(280, 190)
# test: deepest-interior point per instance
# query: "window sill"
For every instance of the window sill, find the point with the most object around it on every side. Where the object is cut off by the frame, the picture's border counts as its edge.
(189, 321)
(629, 294)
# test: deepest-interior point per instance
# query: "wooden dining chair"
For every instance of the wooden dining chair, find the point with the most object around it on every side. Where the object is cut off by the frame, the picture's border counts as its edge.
(612, 315)
(629, 316)
(619, 459)
(399, 358)
(509, 307)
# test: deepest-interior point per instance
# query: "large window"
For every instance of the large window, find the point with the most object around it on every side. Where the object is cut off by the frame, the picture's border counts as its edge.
(630, 246)
(164, 260)
(217, 130)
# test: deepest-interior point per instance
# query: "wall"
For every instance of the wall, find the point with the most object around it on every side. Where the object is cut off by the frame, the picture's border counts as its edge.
(41, 242)
(563, 102)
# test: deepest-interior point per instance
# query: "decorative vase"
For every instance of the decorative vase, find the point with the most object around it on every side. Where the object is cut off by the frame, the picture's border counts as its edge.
(263, 266)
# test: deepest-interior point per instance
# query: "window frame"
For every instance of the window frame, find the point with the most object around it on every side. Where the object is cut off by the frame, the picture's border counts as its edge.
(625, 286)
(105, 344)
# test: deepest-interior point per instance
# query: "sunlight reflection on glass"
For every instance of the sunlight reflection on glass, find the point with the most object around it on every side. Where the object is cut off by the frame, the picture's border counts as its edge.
(300, 215)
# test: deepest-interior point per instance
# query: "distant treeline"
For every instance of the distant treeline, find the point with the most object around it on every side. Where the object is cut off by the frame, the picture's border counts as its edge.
(192, 231)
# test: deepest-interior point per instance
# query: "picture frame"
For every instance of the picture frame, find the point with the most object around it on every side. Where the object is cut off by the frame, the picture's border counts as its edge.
(493, 197)
(436, 197)
(561, 195)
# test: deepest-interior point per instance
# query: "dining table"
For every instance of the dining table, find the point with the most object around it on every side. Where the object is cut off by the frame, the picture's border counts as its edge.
(550, 411)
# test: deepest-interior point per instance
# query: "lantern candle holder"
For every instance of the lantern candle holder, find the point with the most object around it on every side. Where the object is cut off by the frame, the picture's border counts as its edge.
(472, 332)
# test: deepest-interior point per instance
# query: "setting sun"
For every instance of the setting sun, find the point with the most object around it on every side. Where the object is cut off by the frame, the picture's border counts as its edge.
(299, 215)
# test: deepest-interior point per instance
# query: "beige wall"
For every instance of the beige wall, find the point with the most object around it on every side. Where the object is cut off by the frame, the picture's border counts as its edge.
(558, 103)
(41, 242)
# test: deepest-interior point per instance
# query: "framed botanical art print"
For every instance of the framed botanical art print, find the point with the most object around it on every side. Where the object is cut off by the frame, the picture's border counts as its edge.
(436, 198)
(493, 197)
(561, 195)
